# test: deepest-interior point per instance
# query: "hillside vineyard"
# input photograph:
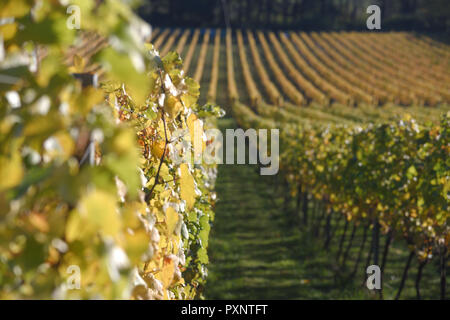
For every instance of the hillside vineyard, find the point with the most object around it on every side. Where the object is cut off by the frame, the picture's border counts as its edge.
(330, 68)
(364, 129)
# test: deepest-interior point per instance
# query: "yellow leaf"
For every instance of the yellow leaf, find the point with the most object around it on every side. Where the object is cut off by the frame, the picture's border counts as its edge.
(87, 100)
(8, 31)
(48, 67)
(187, 190)
(175, 241)
(163, 241)
(16, 8)
(11, 171)
(78, 228)
(99, 209)
(173, 106)
(171, 220)
(78, 63)
(123, 141)
(112, 101)
(167, 272)
(136, 244)
(196, 132)
(157, 149)
(66, 142)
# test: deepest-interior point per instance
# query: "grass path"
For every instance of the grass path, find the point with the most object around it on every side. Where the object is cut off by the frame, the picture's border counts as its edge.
(255, 251)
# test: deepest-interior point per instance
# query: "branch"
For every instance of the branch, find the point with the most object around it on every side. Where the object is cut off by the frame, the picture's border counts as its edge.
(166, 141)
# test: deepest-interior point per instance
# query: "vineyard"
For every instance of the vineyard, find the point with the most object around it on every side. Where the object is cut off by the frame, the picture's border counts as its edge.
(90, 183)
(93, 204)
(364, 136)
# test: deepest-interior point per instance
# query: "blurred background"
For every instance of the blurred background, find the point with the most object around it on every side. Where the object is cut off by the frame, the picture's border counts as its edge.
(399, 15)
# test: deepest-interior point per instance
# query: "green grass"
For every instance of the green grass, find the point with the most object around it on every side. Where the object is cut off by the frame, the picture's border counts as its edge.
(256, 252)
(258, 249)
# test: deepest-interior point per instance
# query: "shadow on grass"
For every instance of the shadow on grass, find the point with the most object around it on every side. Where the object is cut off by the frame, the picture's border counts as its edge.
(257, 252)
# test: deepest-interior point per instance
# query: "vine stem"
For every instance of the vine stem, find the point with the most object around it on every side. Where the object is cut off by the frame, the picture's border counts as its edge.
(305, 208)
(419, 277)
(349, 245)
(166, 142)
(405, 274)
(386, 250)
(341, 242)
(442, 266)
(360, 251)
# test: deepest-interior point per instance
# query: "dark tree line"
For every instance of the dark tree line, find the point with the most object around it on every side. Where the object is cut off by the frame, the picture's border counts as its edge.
(419, 15)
